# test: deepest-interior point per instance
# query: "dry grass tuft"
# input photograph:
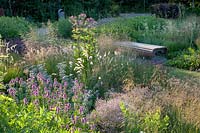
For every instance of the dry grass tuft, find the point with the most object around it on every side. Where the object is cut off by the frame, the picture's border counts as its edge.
(37, 53)
(186, 98)
(182, 96)
(107, 115)
(106, 43)
(197, 42)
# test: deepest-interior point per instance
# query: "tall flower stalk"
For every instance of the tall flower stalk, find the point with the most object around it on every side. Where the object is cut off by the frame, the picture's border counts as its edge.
(84, 46)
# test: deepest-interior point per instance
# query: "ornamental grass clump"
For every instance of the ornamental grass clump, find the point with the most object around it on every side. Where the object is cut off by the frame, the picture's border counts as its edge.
(64, 103)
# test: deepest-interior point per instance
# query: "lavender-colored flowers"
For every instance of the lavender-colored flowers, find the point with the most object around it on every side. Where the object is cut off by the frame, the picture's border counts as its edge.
(84, 120)
(65, 84)
(12, 92)
(53, 96)
(81, 109)
(57, 109)
(25, 101)
(67, 107)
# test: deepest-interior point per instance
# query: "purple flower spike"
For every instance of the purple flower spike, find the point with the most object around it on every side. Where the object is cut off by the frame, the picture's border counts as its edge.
(73, 119)
(67, 107)
(51, 108)
(47, 94)
(48, 81)
(55, 83)
(81, 109)
(34, 86)
(57, 110)
(64, 96)
(67, 126)
(12, 92)
(20, 80)
(50, 85)
(12, 81)
(25, 101)
(60, 86)
(84, 120)
(16, 79)
(45, 89)
(82, 15)
(65, 84)
(35, 92)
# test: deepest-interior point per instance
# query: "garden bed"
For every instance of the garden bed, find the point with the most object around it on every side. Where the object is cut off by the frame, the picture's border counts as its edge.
(80, 82)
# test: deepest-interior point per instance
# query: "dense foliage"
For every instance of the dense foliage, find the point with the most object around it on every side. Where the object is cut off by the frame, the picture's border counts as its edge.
(42, 104)
(189, 60)
(63, 28)
(119, 92)
(11, 27)
(40, 10)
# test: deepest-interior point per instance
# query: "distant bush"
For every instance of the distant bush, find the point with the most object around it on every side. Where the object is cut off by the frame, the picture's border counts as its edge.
(164, 10)
(195, 11)
(64, 28)
(44, 10)
(132, 26)
(189, 59)
(11, 27)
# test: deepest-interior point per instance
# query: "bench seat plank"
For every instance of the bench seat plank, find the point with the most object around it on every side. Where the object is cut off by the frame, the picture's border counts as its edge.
(143, 48)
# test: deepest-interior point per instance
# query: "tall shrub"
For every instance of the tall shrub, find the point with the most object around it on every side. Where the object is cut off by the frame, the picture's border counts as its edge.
(12, 27)
(84, 46)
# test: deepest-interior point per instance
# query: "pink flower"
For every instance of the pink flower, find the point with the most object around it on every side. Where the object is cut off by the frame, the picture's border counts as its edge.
(81, 109)
(57, 109)
(64, 96)
(67, 107)
(65, 84)
(47, 81)
(20, 80)
(34, 86)
(35, 92)
(84, 120)
(25, 101)
(12, 91)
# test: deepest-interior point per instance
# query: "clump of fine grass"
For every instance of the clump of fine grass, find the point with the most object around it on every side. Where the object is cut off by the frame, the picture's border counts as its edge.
(178, 102)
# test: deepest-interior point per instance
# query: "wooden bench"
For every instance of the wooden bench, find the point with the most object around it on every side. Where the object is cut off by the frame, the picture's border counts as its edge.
(144, 49)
